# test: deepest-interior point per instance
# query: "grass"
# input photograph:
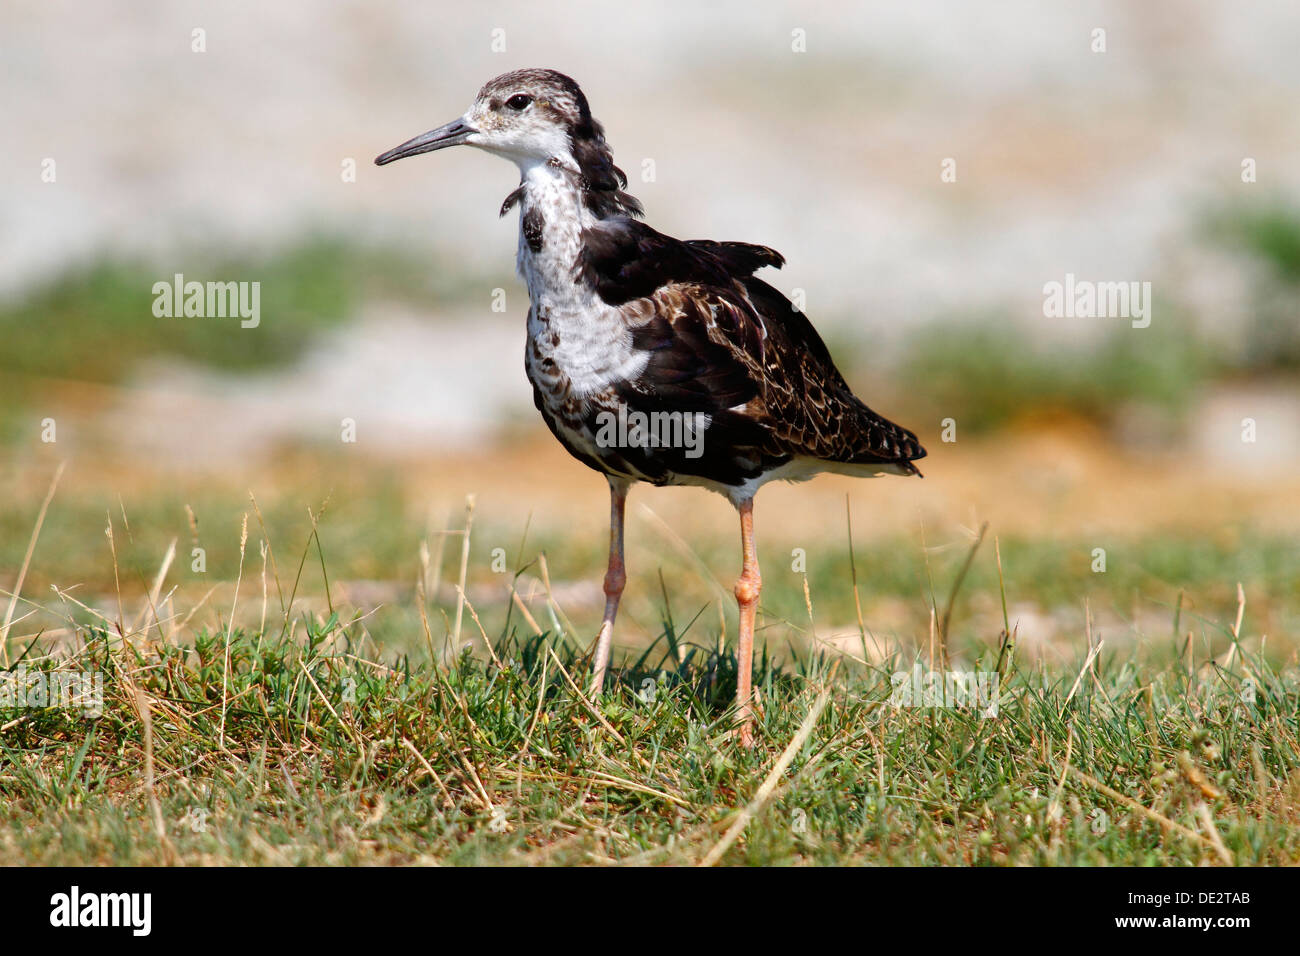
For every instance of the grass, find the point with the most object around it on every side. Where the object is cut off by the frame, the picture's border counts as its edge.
(372, 528)
(1269, 231)
(69, 326)
(977, 372)
(94, 322)
(986, 372)
(286, 737)
(1268, 234)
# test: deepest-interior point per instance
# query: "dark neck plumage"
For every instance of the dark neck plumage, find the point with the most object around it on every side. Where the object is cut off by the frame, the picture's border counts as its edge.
(601, 181)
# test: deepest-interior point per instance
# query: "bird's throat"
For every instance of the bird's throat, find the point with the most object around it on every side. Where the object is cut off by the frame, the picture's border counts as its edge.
(552, 218)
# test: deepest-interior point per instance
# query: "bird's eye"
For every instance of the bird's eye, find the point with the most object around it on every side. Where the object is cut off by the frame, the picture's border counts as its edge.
(519, 101)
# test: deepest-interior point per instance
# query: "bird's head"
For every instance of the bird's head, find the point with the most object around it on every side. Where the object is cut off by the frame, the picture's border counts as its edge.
(533, 117)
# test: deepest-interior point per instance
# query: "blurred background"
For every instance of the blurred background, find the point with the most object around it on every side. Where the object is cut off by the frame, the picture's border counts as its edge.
(925, 167)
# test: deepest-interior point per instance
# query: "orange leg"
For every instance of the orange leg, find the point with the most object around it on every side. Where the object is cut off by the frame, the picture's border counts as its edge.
(615, 578)
(747, 590)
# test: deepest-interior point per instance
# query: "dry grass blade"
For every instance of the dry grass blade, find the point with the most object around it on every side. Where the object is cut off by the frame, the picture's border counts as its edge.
(1007, 649)
(446, 794)
(679, 543)
(230, 626)
(328, 706)
(149, 613)
(479, 624)
(1194, 775)
(27, 562)
(853, 571)
(769, 784)
(561, 620)
(270, 552)
(1054, 808)
(1147, 812)
(1212, 831)
(146, 720)
(523, 609)
(599, 776)
(1241, 612)
(464, 570)
(482, 793)
(583, 699)
(422, 602)
(1092, 655)
(117, 577)
(956, 588)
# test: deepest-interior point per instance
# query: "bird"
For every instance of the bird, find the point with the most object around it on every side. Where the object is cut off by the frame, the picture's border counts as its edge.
(654, 359)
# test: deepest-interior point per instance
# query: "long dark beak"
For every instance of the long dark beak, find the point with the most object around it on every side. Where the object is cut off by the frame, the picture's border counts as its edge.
(453, 134)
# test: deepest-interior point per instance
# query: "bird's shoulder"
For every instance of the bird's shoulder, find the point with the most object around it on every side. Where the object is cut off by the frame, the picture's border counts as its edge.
(696, 302)
(624, 259)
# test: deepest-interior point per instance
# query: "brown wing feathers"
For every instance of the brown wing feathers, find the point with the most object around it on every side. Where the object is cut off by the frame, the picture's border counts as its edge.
(727, 344)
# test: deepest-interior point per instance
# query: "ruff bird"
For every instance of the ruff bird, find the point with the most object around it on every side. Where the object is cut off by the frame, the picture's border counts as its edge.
(658, 359)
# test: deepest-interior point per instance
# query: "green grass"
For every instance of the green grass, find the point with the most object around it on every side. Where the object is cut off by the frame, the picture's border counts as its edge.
(1268, 231)
(371, 530)
(307, 742)
(987, 374)
(95, 322)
